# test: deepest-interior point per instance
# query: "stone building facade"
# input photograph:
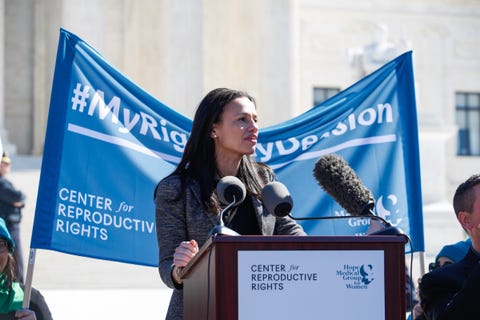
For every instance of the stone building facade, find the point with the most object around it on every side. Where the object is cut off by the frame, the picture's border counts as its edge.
(281, 51)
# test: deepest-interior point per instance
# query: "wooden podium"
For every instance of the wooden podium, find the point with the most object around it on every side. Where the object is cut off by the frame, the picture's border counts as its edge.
(280, 277)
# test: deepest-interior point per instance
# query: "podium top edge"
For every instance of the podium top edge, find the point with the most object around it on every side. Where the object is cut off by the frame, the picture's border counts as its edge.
(288, 238)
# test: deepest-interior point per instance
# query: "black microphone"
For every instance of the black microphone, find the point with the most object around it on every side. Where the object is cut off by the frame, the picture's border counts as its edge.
(341, 182)
(277, 199)
(231, 191)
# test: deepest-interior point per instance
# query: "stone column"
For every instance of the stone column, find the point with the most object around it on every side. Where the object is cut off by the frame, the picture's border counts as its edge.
(86, 20)
(279, 79)
(2, 73)
(46, 29)
(5, 145)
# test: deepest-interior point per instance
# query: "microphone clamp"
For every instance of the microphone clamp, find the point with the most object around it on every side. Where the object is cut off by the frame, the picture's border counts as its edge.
(220, 228)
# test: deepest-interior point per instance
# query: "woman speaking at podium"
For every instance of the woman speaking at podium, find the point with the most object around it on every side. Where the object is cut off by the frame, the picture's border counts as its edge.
(222, 141)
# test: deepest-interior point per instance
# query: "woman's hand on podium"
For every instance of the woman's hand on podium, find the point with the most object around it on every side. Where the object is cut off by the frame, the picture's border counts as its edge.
(183, 254)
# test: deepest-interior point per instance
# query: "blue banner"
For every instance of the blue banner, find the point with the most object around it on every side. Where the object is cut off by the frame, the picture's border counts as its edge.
(109, 142)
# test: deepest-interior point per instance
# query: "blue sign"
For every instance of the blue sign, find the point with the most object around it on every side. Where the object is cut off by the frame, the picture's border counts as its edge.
(109, 142)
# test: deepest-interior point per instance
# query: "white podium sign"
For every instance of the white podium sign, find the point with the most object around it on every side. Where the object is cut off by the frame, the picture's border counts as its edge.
(311, 284)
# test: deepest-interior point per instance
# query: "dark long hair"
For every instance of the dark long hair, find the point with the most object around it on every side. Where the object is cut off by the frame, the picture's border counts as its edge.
(9, 270)
(198, 160)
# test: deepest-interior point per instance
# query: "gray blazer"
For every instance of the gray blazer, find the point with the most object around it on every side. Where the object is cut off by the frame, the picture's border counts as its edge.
(181, 217)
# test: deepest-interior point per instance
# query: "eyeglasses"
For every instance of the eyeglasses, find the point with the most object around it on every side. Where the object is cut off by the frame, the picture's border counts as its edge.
(435, 265)
(3, 245)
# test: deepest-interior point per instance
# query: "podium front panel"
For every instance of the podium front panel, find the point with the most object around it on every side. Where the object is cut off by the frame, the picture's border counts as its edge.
(285, 277)
(296, 284)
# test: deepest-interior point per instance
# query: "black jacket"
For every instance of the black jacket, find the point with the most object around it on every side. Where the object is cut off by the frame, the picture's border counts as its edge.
(8, 196)
(451, 292)
(37, 304)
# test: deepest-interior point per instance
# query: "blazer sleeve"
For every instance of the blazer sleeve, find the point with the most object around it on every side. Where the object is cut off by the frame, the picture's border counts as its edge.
(288, 226)
(170, 224)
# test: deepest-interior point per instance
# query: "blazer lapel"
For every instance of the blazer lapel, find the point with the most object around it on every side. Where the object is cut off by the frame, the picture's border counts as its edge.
(266, 221)
(195, 190)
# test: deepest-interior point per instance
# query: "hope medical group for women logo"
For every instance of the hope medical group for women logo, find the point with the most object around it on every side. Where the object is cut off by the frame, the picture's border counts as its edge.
(357, 276)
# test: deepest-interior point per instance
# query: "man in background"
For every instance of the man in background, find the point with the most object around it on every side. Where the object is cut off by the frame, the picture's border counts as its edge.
(451, 292)
(448, 254)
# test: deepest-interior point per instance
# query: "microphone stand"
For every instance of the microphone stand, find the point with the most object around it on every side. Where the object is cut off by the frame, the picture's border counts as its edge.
(220, 228)
(384, 228)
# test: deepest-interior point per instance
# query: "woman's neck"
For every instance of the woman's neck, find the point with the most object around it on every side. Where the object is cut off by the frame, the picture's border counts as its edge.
(228, 167)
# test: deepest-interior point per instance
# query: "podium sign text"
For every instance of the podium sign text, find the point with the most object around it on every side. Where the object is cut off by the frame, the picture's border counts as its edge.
(288, 277)
(301, 284)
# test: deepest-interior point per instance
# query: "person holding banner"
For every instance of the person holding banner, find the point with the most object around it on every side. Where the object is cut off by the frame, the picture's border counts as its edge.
(451, 292)
(222, 142)
(12, 201)
(11, 291)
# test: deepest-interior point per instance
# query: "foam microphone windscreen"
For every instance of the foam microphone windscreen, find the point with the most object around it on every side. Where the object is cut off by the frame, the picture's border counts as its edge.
(341, 182)
(277, 199)
(230, 189)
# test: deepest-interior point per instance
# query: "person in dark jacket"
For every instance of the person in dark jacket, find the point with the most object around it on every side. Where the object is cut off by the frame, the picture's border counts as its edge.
(12, 201)
(451, 292)
(12, 291)
(222, 142)
(448, 254)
